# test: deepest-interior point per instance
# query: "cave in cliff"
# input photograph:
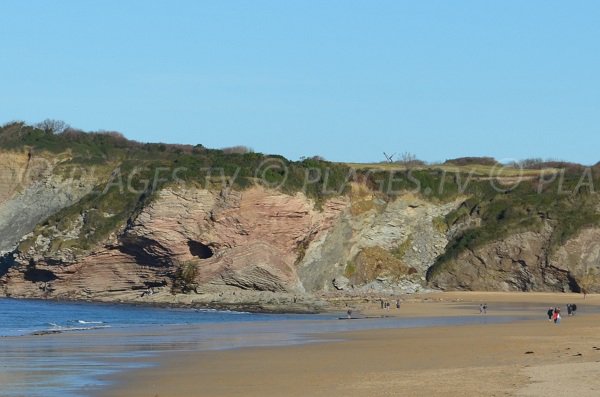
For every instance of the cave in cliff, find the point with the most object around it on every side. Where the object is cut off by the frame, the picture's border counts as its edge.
(200, 250)
(39, 275)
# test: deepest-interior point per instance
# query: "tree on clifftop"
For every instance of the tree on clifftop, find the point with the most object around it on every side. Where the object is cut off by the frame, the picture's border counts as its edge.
(51, 126)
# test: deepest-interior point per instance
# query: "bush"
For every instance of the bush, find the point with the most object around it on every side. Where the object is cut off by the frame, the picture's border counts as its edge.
(237, 150)
(185, 278)
(472, 161)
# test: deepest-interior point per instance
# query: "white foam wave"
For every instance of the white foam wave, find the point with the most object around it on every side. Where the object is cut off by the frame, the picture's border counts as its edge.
(66, 329)
(90, 322)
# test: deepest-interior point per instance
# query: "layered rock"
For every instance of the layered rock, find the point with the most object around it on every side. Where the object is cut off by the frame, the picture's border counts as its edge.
(579, 257)
(525, 262)
(247, 240)
(244, 244)
(253, 240)
(30, 191)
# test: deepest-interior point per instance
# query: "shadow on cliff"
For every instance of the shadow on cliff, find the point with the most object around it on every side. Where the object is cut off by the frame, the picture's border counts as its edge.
(6, 262)
(145, 251)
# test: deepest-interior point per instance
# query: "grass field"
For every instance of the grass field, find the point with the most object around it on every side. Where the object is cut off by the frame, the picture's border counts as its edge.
(477, 170)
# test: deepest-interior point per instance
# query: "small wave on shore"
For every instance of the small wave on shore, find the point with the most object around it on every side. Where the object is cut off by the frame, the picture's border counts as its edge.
(79, 325)
(90, 322)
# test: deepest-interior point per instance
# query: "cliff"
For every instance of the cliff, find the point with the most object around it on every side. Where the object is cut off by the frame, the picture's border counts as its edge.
(97, 217)
(253, 240)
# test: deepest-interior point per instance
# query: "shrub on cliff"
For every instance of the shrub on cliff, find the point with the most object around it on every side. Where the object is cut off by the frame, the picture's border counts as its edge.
(185, 278)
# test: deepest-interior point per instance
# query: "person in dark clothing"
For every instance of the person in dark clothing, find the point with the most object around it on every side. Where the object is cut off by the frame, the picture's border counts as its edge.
(569, 310)
(550, 312)
(573, 309)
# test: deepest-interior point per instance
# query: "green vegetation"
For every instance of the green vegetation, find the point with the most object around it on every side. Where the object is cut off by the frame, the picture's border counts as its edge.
(475, 170)
(402, 249)
(185, 278)
(567, 205)
(349, 270)
(373, 262)
(129, 174)
(439, 224)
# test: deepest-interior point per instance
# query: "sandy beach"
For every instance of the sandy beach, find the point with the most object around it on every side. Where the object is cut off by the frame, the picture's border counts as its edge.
(523, 358)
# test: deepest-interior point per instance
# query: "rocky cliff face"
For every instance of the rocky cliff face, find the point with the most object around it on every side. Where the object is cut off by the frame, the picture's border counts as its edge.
(246, 240)
(525, 262)
(188, 244)
(402, 231)
(251, 240)
(30, 191)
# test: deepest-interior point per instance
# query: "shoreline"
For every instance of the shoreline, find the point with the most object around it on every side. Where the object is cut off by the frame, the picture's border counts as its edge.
(336, 302)
(506, 358)
(309, 307)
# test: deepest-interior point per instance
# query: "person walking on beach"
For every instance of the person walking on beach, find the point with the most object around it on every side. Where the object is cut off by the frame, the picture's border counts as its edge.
(573, 309)
(569, 310)
(556, 315)
(550, 312)
(481, 308)
(397, 303)
(484, 308)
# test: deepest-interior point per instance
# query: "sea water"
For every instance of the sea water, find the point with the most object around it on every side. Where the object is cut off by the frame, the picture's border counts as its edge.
(71, 349)
(27, 317)
(52, 348)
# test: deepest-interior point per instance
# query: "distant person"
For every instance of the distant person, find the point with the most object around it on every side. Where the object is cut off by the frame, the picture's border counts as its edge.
(550, 312)
(485, 308)
(387, 305)
(569, 309)
(481, 308)
(573, 309)
(382, 304)
(557, 317)
(397, 303)
(349, 313)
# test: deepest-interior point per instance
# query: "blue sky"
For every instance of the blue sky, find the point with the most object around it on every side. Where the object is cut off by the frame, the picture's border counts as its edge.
(342, 79)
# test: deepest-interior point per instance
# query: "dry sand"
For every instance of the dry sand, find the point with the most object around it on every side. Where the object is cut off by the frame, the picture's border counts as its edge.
(525, 358)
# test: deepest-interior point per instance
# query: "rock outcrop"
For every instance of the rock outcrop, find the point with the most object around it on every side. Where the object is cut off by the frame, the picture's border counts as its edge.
(405, 228)
(525, 262)
(62, 237)
(31, 191)
(250, 240)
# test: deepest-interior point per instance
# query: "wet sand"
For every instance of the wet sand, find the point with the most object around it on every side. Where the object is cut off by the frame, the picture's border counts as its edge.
(525, 358)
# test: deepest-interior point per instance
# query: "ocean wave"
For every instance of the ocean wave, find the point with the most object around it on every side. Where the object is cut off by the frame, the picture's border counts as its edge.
(89, 322)
(58, 329)
(224, 311)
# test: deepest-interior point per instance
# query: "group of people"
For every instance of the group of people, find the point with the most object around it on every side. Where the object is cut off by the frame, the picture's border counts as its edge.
(386, 305)
(554, 312)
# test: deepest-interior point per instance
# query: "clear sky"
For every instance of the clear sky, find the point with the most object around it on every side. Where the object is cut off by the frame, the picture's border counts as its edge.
(342, 79)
